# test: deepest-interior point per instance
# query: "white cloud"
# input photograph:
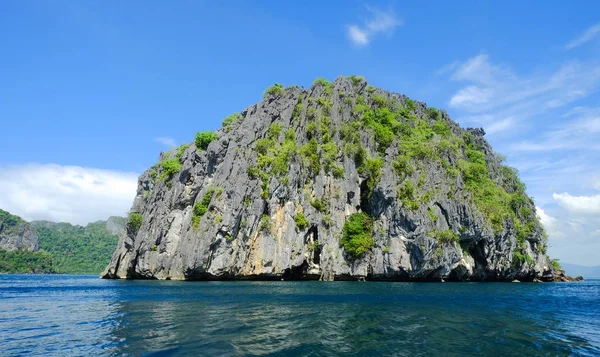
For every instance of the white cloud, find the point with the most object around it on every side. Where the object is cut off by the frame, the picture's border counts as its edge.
(573, 227)
(572, 237)
(495, 97)
(71, 194)
(578, 204)
(379, 21)
(500, 125)
(166, 141)
(550, 223)
(477, 69)
(579, 133)
(585, 37)
(471, 96)
(357, 35)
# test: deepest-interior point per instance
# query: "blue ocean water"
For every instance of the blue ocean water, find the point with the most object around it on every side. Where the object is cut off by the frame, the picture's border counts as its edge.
(84, 316)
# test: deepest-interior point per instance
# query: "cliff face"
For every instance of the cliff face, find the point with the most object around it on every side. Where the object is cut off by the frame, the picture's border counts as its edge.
(338, 181)
(16, 234)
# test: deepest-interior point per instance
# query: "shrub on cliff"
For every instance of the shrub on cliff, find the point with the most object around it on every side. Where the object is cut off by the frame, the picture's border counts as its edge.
(357, 236)
(204, 138)
(134, 222)
(275, 89)
(169, 167)
(301, 221)
(200, 208)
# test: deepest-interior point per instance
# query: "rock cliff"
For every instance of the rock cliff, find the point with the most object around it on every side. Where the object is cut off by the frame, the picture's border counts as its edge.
(16, 234)
(338, 181)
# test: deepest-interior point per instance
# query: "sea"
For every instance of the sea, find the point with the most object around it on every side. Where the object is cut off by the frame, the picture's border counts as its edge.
(82, 315)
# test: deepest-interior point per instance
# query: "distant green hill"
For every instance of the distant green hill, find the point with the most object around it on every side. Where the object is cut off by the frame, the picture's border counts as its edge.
(78, 249)
(25, 261)
(48, 247)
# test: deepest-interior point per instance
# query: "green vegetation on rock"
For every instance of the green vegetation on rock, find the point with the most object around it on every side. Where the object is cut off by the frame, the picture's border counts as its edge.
(371, 170)
(273, 157)
(301, 221)
(24, 261)
(357, 237)
(200, 208)
(170, 167)
(181, 149)
(134, 222)
(446, 236)
(265, 223)
(203, 139)
(556, 264)
(275, 89)
(356, 80)
(230, 120)
(320, 204)
(310, 155)
(10, 223)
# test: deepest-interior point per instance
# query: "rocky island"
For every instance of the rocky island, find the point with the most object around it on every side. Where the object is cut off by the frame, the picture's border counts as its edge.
(339, 181)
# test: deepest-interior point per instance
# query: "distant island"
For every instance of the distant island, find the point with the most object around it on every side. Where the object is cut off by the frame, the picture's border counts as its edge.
(587, 272)
(48, 247)
(339, 181)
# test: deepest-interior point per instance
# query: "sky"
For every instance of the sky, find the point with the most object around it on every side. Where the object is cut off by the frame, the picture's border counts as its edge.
(91, 92)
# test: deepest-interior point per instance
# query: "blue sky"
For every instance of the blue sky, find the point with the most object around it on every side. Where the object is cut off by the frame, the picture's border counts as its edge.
(92, 91)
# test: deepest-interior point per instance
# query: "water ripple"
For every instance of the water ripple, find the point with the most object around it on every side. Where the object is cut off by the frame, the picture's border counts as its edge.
(82, 315)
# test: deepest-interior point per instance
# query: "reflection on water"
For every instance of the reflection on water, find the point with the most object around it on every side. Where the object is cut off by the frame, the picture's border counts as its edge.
(58, 315)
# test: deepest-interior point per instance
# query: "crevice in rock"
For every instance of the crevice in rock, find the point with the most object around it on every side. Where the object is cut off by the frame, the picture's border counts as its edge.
(477, 252)
(237, 226)
(349, 197)
(444, 213)
(131, 269)
(365, 198)
(312, 236)
(117, 264)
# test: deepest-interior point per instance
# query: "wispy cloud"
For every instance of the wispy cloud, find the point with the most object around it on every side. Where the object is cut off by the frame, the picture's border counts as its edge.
(582, 132)
(497, 98)
(377, 21)
(585, 37)
(71, 194)
(166, 141)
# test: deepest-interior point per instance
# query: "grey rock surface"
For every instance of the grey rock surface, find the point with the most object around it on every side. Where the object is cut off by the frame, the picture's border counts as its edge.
(16, 234)
(247, 235)
(115, 225)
